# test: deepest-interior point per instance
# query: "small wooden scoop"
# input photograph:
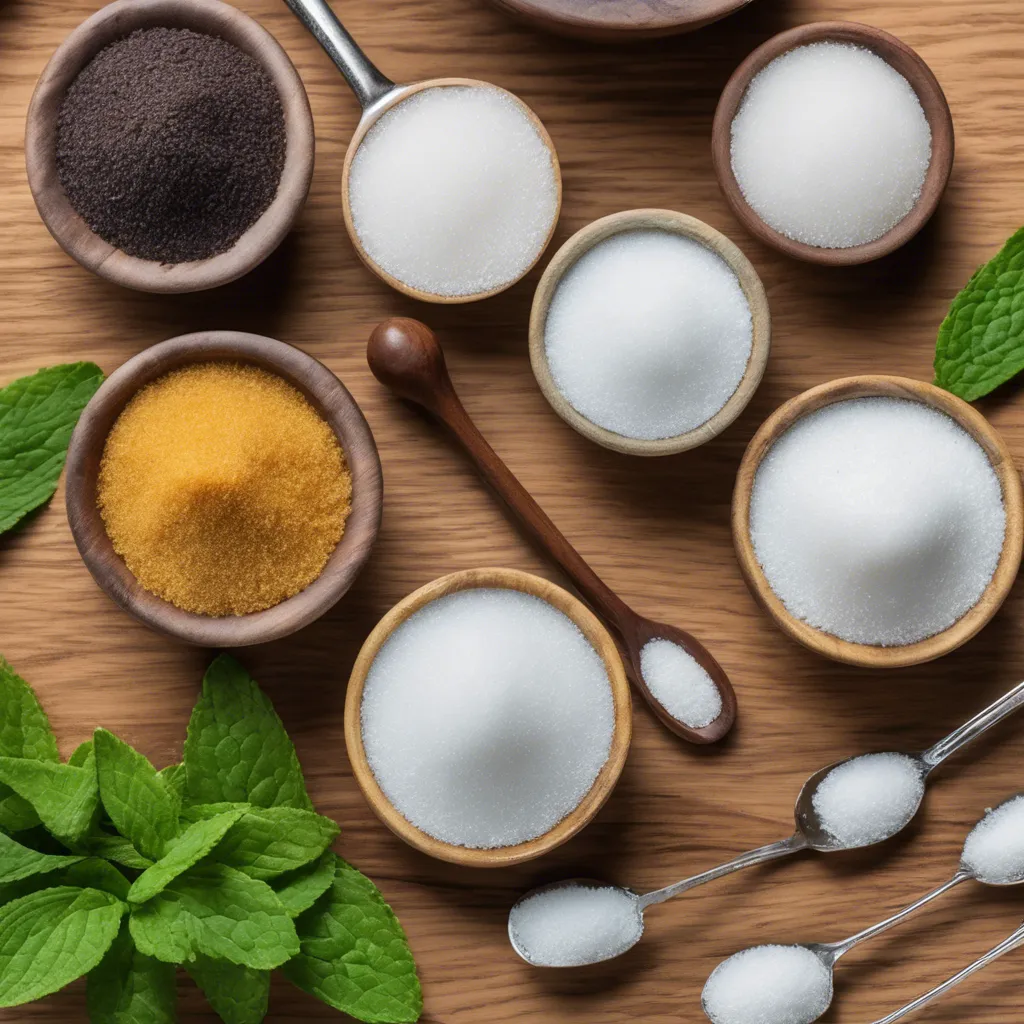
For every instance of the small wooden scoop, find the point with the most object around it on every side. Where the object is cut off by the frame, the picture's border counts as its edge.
(405, 356)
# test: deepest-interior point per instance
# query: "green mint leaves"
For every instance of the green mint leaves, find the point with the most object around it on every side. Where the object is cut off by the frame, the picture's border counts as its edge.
(37, 415)
(112, 869)
(981, 341)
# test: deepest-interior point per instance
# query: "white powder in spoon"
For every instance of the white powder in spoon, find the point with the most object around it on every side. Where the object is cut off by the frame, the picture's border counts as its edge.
(831, 145)
(648, 334)
(869, 798)
(994, 851)
(878, 520)
(454, 191)
(572, 925)
(768, 985)
(486, 717)
(680, 683)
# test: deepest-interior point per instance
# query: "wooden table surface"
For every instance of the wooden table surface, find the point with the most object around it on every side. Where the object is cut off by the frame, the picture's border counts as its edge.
(632, 128)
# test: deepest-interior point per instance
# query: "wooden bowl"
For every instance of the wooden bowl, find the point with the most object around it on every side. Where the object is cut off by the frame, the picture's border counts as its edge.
(868, 655)
(922, 81)
(75, 237)
(375, 114)
(326, 394)
(599, 638)
(688, 227)
(620, 20)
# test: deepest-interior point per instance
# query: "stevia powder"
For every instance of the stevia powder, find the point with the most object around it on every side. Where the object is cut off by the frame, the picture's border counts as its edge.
(170, 144)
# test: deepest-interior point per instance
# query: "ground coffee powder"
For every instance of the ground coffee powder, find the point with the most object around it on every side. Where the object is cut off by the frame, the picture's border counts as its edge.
(170, 144)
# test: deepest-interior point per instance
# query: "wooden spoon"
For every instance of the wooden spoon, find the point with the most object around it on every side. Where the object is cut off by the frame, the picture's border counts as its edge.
(405, 356)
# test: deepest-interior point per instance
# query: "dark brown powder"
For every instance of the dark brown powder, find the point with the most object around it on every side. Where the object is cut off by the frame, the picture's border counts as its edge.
(170, 144)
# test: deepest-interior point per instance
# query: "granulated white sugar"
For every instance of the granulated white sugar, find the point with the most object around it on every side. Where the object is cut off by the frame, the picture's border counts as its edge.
(878, 520)
(486, 717)
(454, 190)
(870, 798)
(648, 334)
(831, 145)
(680, 683)
(994, 850)
(575, 924)
(768, 985)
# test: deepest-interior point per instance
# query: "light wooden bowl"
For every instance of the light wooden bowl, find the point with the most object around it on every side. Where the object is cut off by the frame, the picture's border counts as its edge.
(910, 66)
(361, 131)
(327, 395)
(688, 227)
(599, 638)
(867, 655)
(612, 21)
(71, 232)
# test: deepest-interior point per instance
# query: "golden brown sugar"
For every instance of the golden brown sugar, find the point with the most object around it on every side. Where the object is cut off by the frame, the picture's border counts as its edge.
(223, 489)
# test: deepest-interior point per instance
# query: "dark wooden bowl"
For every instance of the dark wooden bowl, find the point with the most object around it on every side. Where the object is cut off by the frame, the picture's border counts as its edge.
(620, 20)
(327, 395)
(75, 237)
(922, 81)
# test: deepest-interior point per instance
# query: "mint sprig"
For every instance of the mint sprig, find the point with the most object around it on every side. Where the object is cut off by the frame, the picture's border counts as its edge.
(112, 869)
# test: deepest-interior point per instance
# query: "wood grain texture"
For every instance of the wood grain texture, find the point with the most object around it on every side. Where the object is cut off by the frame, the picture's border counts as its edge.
(632, 127)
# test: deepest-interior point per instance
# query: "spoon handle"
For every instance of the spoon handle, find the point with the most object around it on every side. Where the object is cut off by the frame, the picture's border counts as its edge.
(362, 75)
(773, 851)
(992, 715)
(838, 949)
(1006, 946)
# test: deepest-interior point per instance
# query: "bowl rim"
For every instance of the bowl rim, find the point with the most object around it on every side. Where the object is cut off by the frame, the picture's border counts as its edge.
(599, 638)
(69, 229)
(400, 95)
(326, 394)
(687, 227)
(922, 80)
(999, 455)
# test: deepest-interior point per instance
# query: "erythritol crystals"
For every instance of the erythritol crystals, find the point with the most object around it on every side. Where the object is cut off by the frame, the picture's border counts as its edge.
(831, 145)
(994, 851)
(487, 717)
(454, 191)
(878, 520)
(648, 334)
(680, 683)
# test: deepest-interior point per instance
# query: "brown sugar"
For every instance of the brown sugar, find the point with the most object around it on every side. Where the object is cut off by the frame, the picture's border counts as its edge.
(223, 489)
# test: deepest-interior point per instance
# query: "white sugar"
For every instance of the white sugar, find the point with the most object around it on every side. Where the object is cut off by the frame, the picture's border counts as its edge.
(994, 851)
(575, 924)
(878, 520)
(649, 334)
(680, 683)
(869, 799)
(831, 145)
(486, 717)
(454, 191)
(768, 985)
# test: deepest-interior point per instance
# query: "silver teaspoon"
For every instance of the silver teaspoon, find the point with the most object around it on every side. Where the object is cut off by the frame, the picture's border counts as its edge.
(600, 926)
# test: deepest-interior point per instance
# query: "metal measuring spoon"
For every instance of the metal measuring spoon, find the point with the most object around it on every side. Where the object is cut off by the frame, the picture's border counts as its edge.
(810, 833)
(829, 953)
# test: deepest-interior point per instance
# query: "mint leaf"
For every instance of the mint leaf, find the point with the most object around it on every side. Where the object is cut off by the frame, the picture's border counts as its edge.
(130, 988)
(16, 814)
(981, 341)
(355, 956)
(18, 862)
(270, 841)
(188, 849)
(299, 890)
(81, 754)
(119, 850)
(139, 803)
(237, 750)
(50, 938)
(93, 873)
(64, 797)
(238, 995)
(37, 415)
(173, 777)
(213, 910)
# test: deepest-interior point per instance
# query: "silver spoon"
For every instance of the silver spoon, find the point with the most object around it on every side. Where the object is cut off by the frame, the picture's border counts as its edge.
(830, 953)
(1015, 941)
(810, 834)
